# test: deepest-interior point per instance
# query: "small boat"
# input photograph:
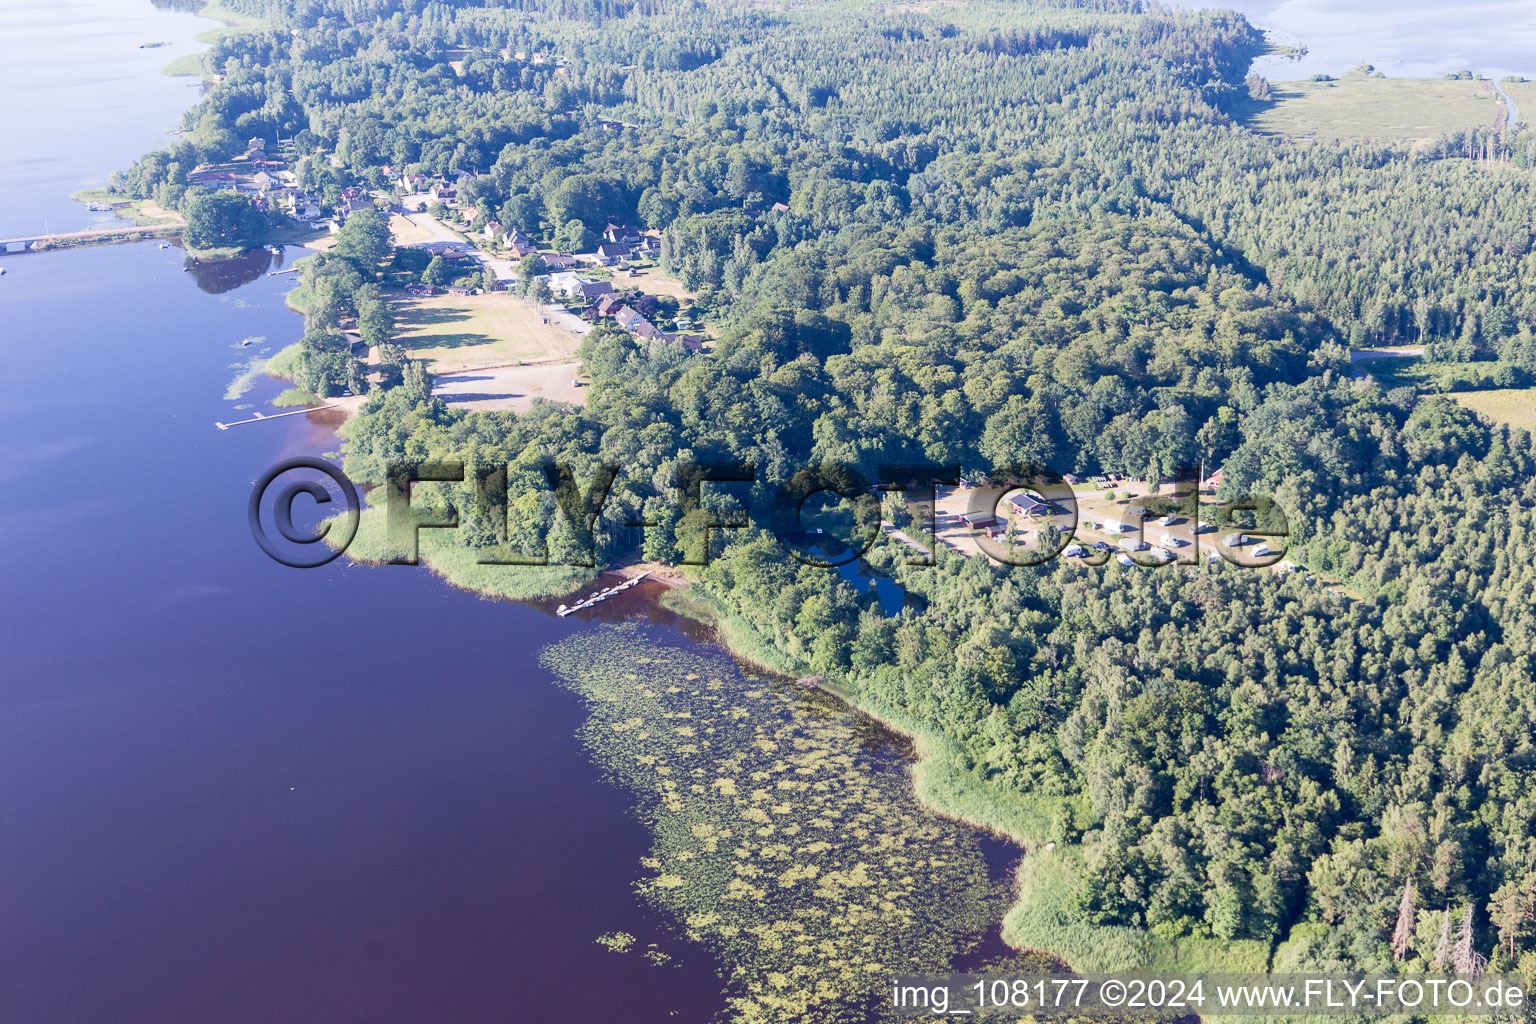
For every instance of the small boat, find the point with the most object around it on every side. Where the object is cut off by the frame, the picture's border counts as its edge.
(165, 245)
(561, 610)
(99, 207)
(275, 250)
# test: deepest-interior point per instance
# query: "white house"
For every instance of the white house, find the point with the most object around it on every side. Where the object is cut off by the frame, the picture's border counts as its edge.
(569, 284)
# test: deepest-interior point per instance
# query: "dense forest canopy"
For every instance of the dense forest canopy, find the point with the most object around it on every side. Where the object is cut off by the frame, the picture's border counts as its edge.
(988, 233)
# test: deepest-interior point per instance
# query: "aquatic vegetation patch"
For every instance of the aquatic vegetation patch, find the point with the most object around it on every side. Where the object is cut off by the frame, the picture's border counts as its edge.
(618, 942)
(246, 376)
(784, 841)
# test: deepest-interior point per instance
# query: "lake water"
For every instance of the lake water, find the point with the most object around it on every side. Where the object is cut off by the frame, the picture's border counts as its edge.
(1403, 39)
(238, 792)
(82, 99)
(232, 791)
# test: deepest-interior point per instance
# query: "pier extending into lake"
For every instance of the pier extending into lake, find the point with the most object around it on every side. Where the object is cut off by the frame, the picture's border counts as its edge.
(96, 236)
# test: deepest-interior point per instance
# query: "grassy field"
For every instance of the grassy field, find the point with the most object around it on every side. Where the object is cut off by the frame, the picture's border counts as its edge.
(652, 282)
(1514, 406)
(460, 566)
(1356, 106)
(1048, 878)
(476, 330)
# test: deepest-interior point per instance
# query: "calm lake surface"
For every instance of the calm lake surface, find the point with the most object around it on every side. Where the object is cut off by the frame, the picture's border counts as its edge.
(232, 791)
(1403, 39)
(238, 792)
(81, 98)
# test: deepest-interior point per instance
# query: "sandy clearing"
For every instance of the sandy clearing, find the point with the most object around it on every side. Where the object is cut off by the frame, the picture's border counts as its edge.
(511, 387)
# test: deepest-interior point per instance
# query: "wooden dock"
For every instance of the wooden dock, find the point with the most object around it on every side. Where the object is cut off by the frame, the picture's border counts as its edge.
(259, 417)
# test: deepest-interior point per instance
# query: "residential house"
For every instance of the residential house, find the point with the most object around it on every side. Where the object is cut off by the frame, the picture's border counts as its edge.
(628, 318)
(492, 231)
(610, 253)
(621, 233)
(560, 261)
(571, 286)
(608, 304)
(692, 342)
(214, 179)
(413, 182)
(419, 289)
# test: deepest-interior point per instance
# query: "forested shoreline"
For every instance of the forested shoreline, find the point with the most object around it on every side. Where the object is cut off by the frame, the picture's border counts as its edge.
(986, 235)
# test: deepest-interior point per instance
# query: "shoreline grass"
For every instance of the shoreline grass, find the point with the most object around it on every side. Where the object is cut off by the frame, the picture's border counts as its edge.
(460, 566)
(1034, 922)
(191, 65)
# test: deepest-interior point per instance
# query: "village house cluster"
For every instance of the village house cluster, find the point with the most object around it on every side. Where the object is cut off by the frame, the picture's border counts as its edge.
(267, 179)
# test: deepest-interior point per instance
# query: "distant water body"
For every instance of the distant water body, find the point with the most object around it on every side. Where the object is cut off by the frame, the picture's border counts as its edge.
(82, 96)
(1403, 39)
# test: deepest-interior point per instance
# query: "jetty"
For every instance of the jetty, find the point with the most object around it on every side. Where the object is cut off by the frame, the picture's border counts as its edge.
(259, 417)
(600, 596)
(95, 236)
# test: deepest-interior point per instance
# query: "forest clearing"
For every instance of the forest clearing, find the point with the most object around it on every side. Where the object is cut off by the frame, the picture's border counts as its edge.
(1357, 106)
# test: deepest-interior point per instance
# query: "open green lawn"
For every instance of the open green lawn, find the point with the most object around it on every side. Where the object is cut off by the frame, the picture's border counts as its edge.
(1514, 406)
(474, 330)
(1356, 106)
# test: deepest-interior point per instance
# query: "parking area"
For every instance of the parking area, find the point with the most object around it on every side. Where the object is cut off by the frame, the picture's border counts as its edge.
(1095, 523)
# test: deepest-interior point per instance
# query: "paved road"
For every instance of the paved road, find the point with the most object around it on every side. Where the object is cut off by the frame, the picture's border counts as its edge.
(1512, 114)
